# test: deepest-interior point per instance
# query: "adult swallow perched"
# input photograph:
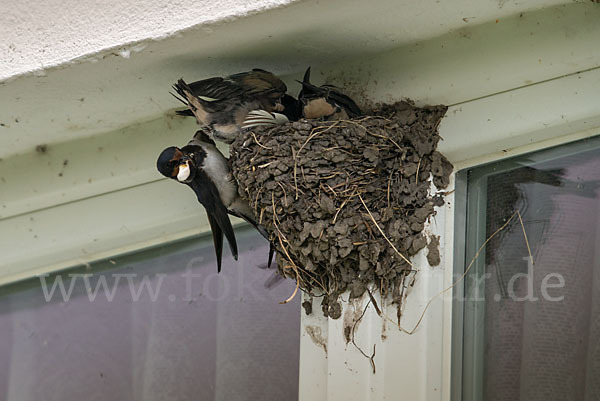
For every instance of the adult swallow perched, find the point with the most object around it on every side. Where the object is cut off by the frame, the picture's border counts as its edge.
(325, 102)
(223, 104)
(202, 167)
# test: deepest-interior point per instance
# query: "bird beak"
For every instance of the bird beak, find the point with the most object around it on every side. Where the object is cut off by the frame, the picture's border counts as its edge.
(183, 172)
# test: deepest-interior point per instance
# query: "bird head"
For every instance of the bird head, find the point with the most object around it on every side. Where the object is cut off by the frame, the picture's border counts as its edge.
(313, 102)
(174, 163)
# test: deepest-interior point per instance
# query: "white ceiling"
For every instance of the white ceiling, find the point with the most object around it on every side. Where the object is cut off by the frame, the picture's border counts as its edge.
(42, 34)
(128, 84)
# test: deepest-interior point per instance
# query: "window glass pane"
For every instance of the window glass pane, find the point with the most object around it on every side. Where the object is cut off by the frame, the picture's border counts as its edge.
(532, 332)
(167, 328)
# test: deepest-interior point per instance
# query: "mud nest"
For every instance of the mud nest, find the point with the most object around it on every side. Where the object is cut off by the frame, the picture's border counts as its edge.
(345, 202)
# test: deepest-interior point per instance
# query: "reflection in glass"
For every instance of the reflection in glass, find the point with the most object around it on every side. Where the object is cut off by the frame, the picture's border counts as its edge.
(157, 325)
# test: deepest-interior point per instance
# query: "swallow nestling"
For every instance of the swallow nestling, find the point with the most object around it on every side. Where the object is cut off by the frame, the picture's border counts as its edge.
(325, 102)
(202, 167)
(222, 104)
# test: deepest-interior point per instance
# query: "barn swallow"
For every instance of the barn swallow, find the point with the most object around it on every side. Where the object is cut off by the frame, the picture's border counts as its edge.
(202, 167)
(222, 104)
(325, 102)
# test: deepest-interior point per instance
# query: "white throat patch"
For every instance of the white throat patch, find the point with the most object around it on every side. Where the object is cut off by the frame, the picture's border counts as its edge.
(184, 172)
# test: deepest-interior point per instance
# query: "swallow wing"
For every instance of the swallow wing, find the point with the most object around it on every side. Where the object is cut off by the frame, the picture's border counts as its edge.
(216, 89)
(202, 137)
(208, 196)
(185, 112)
(263, 118)
(205, 96)
(346, 103)
(260, 82)
(217, 239)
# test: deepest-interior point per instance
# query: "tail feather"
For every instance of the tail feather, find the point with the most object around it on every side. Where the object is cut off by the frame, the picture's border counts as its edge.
(182, 100)
(307, 76)
(313, 88)
(185, 92)
(271, 254)
(185, 112)
(180, 87)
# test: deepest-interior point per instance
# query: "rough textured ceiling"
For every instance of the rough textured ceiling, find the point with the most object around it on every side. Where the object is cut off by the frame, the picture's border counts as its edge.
(58, 31)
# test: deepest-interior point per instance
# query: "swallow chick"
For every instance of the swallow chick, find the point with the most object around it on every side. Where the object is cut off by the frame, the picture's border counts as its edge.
(325, 102)
(202, 167)
(223, 104)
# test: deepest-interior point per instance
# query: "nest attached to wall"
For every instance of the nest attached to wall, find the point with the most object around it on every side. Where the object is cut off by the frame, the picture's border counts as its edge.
(345, 202)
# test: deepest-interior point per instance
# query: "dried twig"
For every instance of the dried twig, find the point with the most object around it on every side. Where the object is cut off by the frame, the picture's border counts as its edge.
(374, 302)
(372, 357)
(295, 171)
(281, 237)
(295, 290)
(461, 277)
(382, 233)
(284, 193)
(337, 212)
(258, 143)
(388, 188)
(313, 133)
(526, 240)
(417, 173)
